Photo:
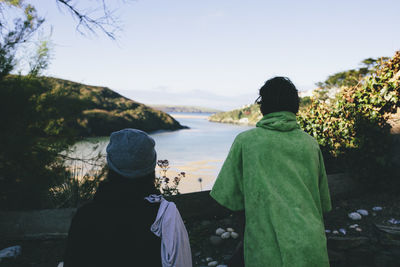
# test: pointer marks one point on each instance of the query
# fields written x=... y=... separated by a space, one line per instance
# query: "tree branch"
x=106 y=23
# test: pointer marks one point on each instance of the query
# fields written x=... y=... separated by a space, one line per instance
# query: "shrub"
x=354 y=129
x=167 y=186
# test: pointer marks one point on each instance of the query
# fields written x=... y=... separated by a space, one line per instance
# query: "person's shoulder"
x=309 y=138
x=246 y=135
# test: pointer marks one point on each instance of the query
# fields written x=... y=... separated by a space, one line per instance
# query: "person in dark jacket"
x=114 y=228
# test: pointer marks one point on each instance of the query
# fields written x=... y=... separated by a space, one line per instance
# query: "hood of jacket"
x=282 y=121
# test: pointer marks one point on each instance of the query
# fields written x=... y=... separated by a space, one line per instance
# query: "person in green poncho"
x=275 y=173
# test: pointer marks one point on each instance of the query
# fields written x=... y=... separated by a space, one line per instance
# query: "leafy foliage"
x=78 y=187
x=348 y=78
x=13 y=36
x=354 y=128
x=41 y=117
x=36 y=124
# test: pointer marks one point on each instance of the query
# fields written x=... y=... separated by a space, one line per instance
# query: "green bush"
x=353 y=131
x=37 y=123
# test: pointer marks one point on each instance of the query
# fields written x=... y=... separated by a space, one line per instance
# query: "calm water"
x=198 y=151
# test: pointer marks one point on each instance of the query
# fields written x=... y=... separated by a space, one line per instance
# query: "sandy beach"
x=206 y=170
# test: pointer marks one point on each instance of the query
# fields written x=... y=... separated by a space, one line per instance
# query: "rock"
x=215 y=240
x=393 y=230
x=355 y=216
x=377 y=208
x=209 y=259
x=394 y=221
x=389 y=235
x=226 y=235
x=353 y=226
x=343 y=231
x=328 y=231
x=230 y=229
x=358 y=229
x=61 y=264
x=363 y=212
x=10 y=252
x=222 y=265
x=213 y=263
x=219 y=231
x=335 y=232
x=234 y=235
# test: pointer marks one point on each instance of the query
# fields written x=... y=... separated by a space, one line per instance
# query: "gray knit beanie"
x=131 y=153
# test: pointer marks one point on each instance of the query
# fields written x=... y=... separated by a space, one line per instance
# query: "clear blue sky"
x=218 y=53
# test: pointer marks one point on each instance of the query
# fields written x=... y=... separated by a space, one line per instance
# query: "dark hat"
x=131 y=153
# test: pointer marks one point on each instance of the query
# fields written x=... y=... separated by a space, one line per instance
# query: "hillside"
x=106 y=111
x=248 y=114
x=187 y=109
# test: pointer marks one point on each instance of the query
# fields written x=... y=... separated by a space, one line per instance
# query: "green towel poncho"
x=276 y=173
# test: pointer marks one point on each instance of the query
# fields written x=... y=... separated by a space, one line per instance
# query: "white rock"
x=234 y=235
x=394 y=221
x=226 y=235
x=230 y=229
x=10 y=252
x=353 y=226
x=363 y=212
x=222 y=265
x=377 y=208
x=328 y=231
x=213 y=263
x=355 y=216
x=61 y=264
x=335 y=232
x=358 y=229
x=219 y=231
x=343 y=231
x=209 y=259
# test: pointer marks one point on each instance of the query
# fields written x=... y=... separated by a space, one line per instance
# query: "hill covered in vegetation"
x=41 y=117
x=105 y=111
x=249 y=114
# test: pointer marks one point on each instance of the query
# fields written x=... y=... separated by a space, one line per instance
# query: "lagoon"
x=199 y=151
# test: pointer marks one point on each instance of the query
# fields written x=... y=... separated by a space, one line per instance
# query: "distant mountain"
x=106 y=111
x=187 y=109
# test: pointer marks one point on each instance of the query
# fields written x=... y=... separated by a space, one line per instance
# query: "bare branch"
x=107 y=23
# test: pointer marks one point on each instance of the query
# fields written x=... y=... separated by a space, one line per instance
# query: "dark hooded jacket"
x=114 y=228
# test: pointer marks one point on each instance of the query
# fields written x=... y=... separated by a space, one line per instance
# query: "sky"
x=218 y=53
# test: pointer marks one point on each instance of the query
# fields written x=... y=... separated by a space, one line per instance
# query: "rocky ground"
x=366 y=246
x=343 y=234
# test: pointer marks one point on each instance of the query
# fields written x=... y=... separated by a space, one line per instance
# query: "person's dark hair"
x=145 y=183
x=278 y=94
